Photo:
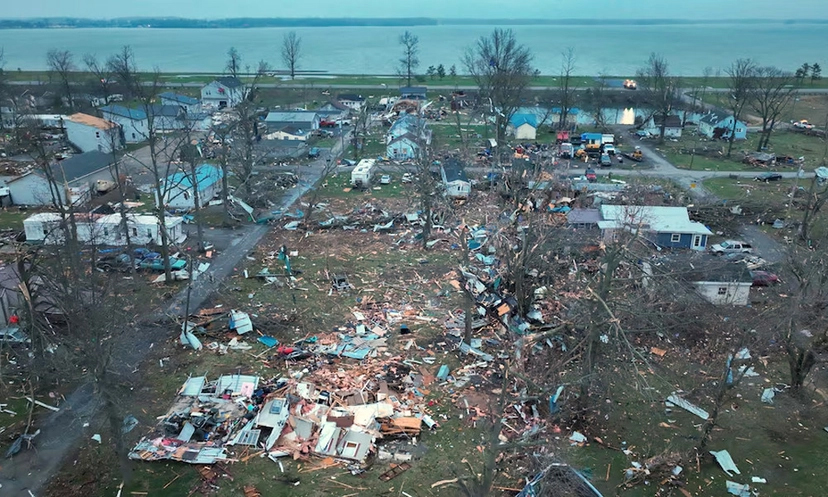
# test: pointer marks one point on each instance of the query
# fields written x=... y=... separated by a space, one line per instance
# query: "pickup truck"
x=325 y=123
x=731 y=247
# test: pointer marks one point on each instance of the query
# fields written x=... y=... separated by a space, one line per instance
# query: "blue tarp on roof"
x=206 y=176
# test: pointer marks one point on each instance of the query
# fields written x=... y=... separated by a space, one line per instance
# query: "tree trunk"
x=800 y=362
x=732 y=137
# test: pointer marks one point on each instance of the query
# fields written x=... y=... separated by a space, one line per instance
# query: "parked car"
x=324 y=123
x=803 y=124
x=641 y=134
x=407 y=178
x=730 y=247
x=385 y=179
x=606 y=160
x=768 y=177
x=13 y=336
x=158 y=264
x=142 y=253
x=590 y=175
x=314 y=152
x=609 y=148
x=346 y=162
x=764 y=278
x=119 y=262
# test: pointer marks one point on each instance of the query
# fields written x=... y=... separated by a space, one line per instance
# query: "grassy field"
x=378 y=80
x=711 y=155
x=813 y=108
x=12 y=218
x=774 y=192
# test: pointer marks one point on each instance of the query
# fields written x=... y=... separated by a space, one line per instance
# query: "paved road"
x=61 y=432
x=322 y=84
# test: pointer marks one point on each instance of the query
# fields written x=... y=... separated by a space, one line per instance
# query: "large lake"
x=616 y=50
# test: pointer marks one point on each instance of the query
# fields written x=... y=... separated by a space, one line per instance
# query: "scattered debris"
x=767 y=395
x=395 y=471
x=726 y=462
x=687 y=406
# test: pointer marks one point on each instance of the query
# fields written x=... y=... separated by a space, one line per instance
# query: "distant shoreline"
x=308 y=22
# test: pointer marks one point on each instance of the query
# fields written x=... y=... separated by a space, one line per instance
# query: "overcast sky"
x=604 y=9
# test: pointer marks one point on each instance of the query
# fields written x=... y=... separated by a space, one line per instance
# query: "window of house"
x=697 y=241
x=97 y=134
x=106 y=231
x=186 y=195
x=675 y=237
x=722 y=290
x=134 y=231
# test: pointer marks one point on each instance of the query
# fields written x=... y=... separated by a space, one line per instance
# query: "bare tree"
x=772 y=93
x=102 y=74
x=660 y=87
x=502 y=69
x=741 y=83
x=163 y=150
x=234 y=62
x=410 y=59
x=191 y=157
x=62 y=63
x=599 y=102
x=360 y=130
x=567 y=90
x=698 y=92
x=4 y=90
x=291 y=52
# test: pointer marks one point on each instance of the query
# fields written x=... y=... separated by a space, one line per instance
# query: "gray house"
x=74 y=179
x=455 y=181
x=307 y=120
x=190 y=104
x=413 y=92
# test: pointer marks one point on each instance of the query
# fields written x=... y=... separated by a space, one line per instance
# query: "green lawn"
x=785 y=143
x=335 y=187
x=12 y=218
x=775 y=192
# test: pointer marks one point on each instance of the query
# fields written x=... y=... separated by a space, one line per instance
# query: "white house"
x=179 y=192
x=90 y=133
x=412 y=124
x=403 y=147
x=288 y=133
x=105 y=230
x=456 y=183
x=189 y=104
x=223 y=92
x=351 y=101
x=719 y=124
x=672 y=126
x=523 y=126
x=133 y=122
x=73 y=181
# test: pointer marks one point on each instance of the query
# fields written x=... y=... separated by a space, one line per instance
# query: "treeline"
x=271 y=22
x=181 y=23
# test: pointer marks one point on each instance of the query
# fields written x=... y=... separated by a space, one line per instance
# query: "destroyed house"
x=715 y=279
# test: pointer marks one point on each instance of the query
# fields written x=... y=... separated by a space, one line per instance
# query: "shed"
x=523 y=126
x=301 y=119
x=351 y=100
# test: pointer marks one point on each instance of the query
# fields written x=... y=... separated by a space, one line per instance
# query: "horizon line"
x=426 y=18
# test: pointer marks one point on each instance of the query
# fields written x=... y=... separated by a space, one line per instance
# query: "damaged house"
x=668 y=227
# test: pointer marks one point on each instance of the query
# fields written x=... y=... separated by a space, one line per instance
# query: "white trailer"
x=363 y=172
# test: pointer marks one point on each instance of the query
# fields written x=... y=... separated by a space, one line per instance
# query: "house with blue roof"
x=133 y=122
x=523 y=126
x=179 y=192
x=189 y=104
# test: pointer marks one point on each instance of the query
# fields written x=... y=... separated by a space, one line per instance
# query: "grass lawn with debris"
x=710 y=154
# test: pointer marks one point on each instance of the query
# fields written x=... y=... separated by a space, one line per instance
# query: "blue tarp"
x=268 y=341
